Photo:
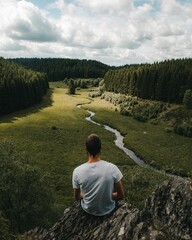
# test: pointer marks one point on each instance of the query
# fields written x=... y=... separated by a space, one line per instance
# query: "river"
x=120 y=144
x=118 y=140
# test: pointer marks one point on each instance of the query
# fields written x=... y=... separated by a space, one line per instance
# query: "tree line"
x=74 y=84
x=19 y=88
x=58 y=69
x=164 y=81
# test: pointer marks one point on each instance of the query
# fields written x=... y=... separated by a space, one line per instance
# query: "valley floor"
x=53 y=135
x=161 y=149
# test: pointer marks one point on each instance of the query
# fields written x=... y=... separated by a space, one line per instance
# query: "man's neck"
x=92 y=159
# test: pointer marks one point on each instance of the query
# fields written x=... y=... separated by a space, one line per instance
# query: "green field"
x=165 y=151
x=53 y=135
x=58 y=151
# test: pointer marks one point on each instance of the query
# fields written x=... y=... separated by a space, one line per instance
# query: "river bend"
x=118 y=140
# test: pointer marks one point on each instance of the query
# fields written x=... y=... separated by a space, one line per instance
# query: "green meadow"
x=52 y=136
x=163 y=150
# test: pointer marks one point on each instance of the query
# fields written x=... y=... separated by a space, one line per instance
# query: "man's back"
x=96 y=182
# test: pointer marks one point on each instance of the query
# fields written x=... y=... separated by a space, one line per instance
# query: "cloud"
x=173 y=7
x=10 y=45
x=107 y=7
x=27 y=22
x=116 y=32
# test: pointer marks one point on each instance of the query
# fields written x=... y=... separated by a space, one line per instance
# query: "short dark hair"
x=93 y=144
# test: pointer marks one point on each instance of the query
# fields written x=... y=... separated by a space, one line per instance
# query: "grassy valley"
x=158 y=147
x=53 y=135
x=47 y=141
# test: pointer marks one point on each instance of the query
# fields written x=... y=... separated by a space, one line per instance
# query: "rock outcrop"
x=167 y=214
x=171 y=207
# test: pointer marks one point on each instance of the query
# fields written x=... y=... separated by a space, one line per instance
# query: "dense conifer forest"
x=59 y=68
x=19 y=88
x=165 y=81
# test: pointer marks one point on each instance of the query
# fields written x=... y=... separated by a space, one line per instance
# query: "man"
x=97 y=183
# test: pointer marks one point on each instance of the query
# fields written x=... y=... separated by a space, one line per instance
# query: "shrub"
x=154 y=121
x=54 y=128
x=169 y=129
x=4 y=229
x=94 y=94
x=187 y=99
x=130 y=106
x=139 y=113
x=184 y=129
x=25 y=197
x=125 y=112
x=71 y=86
x=140 y=117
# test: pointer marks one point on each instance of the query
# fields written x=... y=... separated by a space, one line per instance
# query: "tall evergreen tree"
x=71 y=87
x=166 y=81
x=187 y=100
x=19 y=88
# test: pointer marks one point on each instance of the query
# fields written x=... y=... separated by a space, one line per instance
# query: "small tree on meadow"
x=187 y=99
x=83 y=84
x=71 y=87
x=102 y=86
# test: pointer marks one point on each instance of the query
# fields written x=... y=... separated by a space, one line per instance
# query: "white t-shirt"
x=96 y=182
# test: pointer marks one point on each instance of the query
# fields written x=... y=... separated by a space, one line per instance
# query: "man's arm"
x=77 y=194
x=119 y=194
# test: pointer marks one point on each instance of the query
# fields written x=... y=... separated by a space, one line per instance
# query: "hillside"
x=164 y=81
x=60 y=68
x=19 y=88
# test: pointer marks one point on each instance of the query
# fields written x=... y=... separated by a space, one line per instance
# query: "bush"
x=184 y=129
x=147 y=111
x=140 y=117
x=130 y=106
x=139 y=113
x=169 y=129
x=25 y=196
x=71 y=86
x=125 y=112
x=54 y=128
x=154 y=121
x=94 y=94
x=187 y=99
x=4 y=229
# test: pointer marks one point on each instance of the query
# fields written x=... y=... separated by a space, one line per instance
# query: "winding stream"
x=120 y=144
x=118 y=141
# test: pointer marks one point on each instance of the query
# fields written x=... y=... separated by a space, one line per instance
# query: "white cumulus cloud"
x=116 y=32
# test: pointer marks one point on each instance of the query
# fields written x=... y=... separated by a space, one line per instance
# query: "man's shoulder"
x=104 y=163
x=109 y=164
x=80 y=167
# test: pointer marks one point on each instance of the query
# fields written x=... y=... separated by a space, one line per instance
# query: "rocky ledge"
x=167 y=214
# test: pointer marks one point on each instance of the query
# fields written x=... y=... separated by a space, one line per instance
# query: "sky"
x=115 y=32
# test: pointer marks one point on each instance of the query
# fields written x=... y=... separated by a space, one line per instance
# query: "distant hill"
x=19 y=88
x=165 y=81
x=58 y=69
